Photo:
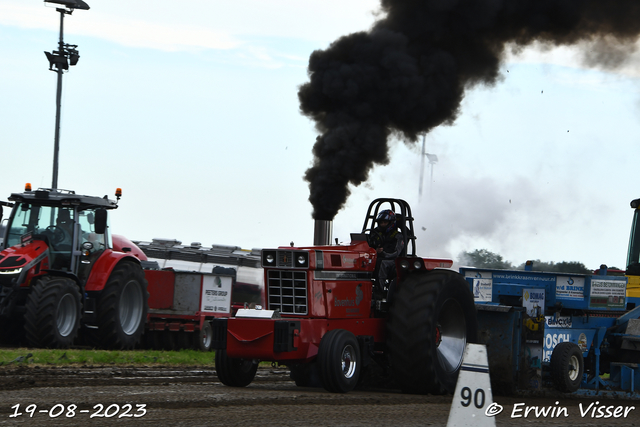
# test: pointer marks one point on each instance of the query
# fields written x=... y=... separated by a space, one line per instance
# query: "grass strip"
x=28 y=356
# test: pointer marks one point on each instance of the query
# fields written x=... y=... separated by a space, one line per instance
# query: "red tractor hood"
x=20 y=256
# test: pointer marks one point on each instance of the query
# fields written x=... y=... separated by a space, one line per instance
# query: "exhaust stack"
x=322 y=232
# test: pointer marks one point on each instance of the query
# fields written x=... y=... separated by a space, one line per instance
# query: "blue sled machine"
x=573 y=332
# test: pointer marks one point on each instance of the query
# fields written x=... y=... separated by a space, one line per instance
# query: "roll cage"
x=404 y=220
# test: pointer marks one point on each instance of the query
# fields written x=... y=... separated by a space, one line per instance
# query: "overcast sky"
x=192 y=110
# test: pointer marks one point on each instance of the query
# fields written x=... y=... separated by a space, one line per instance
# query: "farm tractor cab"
x=59 y=270
x=633 y=258
x=327 y=319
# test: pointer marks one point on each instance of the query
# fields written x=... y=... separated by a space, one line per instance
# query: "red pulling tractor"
x=327 y=318
x=60 y=267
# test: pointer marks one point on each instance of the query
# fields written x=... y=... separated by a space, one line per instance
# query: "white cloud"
x=127 y=32
x=202 y=24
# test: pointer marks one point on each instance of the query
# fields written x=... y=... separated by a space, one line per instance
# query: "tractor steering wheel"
x=57 y=234
x=374 y=239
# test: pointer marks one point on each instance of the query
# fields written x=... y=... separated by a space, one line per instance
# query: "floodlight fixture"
x=57 y=60
x=71 y=4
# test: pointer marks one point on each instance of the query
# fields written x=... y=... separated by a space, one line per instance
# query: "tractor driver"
x=389 y=245
x=65 y=224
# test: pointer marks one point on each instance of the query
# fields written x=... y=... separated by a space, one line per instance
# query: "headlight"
x=268 y=258
x=14 y=271
x=417 y=265
x=302 y=259
x=404 y=264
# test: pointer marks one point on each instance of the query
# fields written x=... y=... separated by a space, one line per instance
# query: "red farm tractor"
x=59 y=270
x=327 y=319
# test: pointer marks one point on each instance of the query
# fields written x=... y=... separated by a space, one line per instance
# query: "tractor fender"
x=104 y=266
x=122 y=244
x=406 y=266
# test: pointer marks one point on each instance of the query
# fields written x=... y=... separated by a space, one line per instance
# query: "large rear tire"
x=234 y=372
x=52 y=316
x=339 y=361
x=122 y=308
x=12 y=331
x=431 y=320
x=567 y=367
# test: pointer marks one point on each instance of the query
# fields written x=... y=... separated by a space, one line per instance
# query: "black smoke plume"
x=408 y=74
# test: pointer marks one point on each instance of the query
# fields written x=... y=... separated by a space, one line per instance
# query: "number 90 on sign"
x=477 y=397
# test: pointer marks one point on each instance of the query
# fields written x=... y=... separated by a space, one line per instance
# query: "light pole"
x=67 y=54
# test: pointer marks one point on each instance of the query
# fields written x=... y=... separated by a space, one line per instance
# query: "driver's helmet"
x=387 y=215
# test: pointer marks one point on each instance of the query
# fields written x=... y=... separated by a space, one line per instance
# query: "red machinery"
x=189 y=285
x=327 y=317
x=58 y=266
x=64 y=275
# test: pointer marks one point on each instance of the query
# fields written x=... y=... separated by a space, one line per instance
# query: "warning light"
x=118 y=192
x=27 y=187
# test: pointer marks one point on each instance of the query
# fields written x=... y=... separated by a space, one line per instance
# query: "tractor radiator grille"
x=287 y=291
x=285 y=258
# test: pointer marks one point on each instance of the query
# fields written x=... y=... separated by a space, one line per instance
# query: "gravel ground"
x=100 y=396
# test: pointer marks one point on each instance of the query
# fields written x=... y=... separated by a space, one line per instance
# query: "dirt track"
x=194 y=397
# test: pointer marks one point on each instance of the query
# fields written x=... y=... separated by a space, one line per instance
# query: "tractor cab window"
x=87 y=232
x=53 y=222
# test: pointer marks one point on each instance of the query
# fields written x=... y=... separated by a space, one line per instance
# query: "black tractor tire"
x=339 y=361
x=203 y=339
x=431 y=320
x=305 y=375
x=235 y=372
x=52 y=312
x=122 y=308
x=12 y=331
x=567 y=367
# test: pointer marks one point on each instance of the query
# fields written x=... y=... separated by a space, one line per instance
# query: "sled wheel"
x=204 y=337
x=52 y=316
x=431 y=320
x=339 y=361
x=567 y=366
x=234 y=372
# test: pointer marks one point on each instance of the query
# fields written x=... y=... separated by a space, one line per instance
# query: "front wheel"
x=431 y=320
x=122 y=307
x=52 y=316
x=567 y=366
x=339 y=361
x=305 y=375
x=234 y=372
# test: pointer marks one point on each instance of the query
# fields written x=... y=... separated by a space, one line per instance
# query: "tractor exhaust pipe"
x=322 y=232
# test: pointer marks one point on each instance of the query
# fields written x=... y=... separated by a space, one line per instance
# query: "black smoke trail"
x=409 y=73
